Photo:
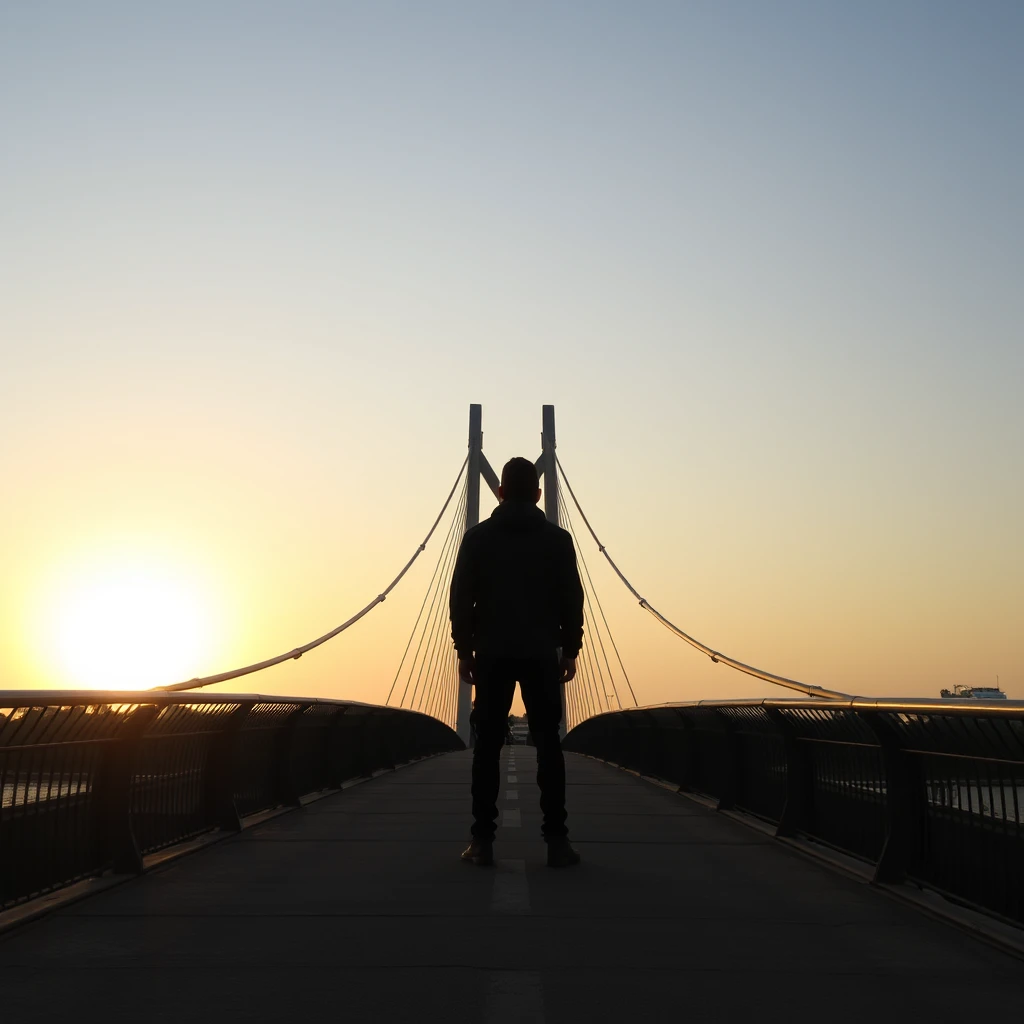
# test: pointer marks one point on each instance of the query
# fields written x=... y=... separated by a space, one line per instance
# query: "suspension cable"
x=578 y=686
x=222 y=677
x=600 y=608
x=451 y=698
x=437 y=707
x=435 y=581
x=590 y=663
x=430 y=587
x=571 y=714
x=715 y=656
x=433 y=631
x=590 y=682
x=590 y=659
x=441 y=645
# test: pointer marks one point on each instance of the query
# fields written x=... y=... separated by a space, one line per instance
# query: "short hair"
x=519 y=480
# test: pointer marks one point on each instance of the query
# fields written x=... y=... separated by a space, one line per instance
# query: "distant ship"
x=974 y=692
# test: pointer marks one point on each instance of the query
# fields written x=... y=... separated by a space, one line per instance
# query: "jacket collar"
x=517 y=509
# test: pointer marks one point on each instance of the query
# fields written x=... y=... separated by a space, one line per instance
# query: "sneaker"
x=561 y=854
x=479 y=852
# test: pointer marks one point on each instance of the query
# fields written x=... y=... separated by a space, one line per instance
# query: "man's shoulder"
x=474 y=532
x=477 y=535
x=556 y=540
x=558 y=533
x=488 y=528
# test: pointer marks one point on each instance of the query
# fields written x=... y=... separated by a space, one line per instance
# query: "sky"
x=765 y=260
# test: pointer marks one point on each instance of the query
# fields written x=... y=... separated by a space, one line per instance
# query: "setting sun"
x=129 y=627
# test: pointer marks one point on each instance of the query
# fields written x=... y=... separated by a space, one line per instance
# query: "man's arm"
x=461 y=601
x=571 y=612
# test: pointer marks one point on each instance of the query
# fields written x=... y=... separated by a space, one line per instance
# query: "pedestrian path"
x=358 y=908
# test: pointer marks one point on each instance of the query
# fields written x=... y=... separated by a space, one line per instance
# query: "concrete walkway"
x=358 y=909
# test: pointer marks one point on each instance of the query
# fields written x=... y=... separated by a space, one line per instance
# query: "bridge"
x=177 y=853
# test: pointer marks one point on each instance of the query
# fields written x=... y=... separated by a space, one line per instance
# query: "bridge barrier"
x=930 y=792
x=93 y=782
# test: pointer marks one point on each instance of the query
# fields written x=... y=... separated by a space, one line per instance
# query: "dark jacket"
x=516 y=591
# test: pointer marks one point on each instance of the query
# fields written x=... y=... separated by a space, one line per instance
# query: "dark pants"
x=495 y=686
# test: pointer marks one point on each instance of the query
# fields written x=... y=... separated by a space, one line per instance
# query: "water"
x=37 y=789
x=1003 y=802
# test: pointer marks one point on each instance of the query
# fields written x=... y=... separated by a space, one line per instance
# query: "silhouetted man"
x=517 y=614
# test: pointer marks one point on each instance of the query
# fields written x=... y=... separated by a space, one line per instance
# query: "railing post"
x=687 y=767
x=285 y=783
x=731 y=783
x=797 y=808
x=903 y=808
x=646 y=736
x=385 y=739
x=114 y=795
x=367 y=741
x=333 y=770
x=220 y=772
x=409 y=743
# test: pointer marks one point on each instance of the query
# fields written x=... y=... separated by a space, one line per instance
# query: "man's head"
x=519 y=481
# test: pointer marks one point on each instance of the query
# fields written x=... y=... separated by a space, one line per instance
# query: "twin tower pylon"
x=480 y=469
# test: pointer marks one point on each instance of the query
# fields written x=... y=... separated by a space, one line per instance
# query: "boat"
x=963 y=692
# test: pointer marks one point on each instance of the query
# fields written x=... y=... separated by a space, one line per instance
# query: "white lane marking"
x=512 y=778
x=512 y=819
x=514 y=997
x=511 y=894
x=511 y=794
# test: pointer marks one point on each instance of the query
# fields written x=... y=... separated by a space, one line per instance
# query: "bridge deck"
x=358 y=907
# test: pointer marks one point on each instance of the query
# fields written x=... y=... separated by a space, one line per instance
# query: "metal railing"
x=92 y=782
x=930 y=792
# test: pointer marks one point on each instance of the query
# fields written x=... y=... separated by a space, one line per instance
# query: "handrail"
x=160 y=697
x=897 y=705
x=136 y=771
x=931 y=791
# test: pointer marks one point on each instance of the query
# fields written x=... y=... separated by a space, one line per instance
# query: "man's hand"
x=467 y=669
x=567 y=668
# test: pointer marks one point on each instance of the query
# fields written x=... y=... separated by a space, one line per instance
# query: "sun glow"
x=130 y=626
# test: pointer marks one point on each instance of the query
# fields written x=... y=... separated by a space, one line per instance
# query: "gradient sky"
x=257 y=259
